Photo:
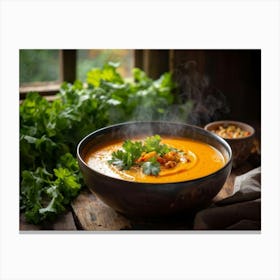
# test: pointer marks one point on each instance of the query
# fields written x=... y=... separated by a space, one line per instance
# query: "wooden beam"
x=153 y=62
x=138 y=58
x=68 y=63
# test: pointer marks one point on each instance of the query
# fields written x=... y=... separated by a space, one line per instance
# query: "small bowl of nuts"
x=240 y=136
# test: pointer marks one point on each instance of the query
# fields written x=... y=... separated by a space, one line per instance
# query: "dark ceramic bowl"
x=135 y=199
x=241 y=147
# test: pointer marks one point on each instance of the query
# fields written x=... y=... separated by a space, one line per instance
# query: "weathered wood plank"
x=65 y=222
x=92 y=214
x=24 y=225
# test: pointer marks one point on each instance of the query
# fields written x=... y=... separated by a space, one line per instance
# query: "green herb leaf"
x=50 y=132
x=153 y=144
x=151 y=168
x=126 y=157
x=45 y=194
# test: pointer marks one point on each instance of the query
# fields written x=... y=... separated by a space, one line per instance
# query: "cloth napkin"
x=240 y=211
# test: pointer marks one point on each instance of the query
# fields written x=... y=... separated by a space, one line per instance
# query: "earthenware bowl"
x=241 y=147
x=135 y=199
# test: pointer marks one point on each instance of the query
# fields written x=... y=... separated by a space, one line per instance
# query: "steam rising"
x=209 y=103
x=143 y=128
x=196 y=103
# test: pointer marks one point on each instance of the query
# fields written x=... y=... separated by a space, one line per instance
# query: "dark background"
x=236 y=74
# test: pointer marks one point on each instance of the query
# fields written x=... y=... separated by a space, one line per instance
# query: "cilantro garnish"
x=151 y=167
x=125 y=158
x=153 y=144
x=144 y=155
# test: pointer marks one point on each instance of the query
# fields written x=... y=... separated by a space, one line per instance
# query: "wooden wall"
x=235 y=73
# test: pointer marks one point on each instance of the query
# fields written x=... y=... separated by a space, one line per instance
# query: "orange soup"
x=197 y=159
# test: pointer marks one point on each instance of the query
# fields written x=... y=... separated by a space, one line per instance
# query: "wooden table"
x=87 y=212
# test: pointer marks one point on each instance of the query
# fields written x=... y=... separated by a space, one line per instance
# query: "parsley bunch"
x=50 y=131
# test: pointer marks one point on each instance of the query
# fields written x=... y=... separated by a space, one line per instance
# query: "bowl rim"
x=238 y=123
x=100 y=130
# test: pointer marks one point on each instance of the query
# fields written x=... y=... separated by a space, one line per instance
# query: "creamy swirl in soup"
x=156 y=160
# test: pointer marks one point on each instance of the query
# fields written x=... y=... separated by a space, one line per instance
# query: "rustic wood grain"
x=92 y=214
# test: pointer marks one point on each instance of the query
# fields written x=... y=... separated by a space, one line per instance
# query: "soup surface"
x=198 y=159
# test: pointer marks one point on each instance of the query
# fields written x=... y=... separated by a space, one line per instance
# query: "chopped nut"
x=172 y=156
x=231 y=131
x=170 y=164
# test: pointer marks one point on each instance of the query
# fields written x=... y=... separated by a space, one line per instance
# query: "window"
x=44 y=70
x=39 y=66
x=88 y=59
